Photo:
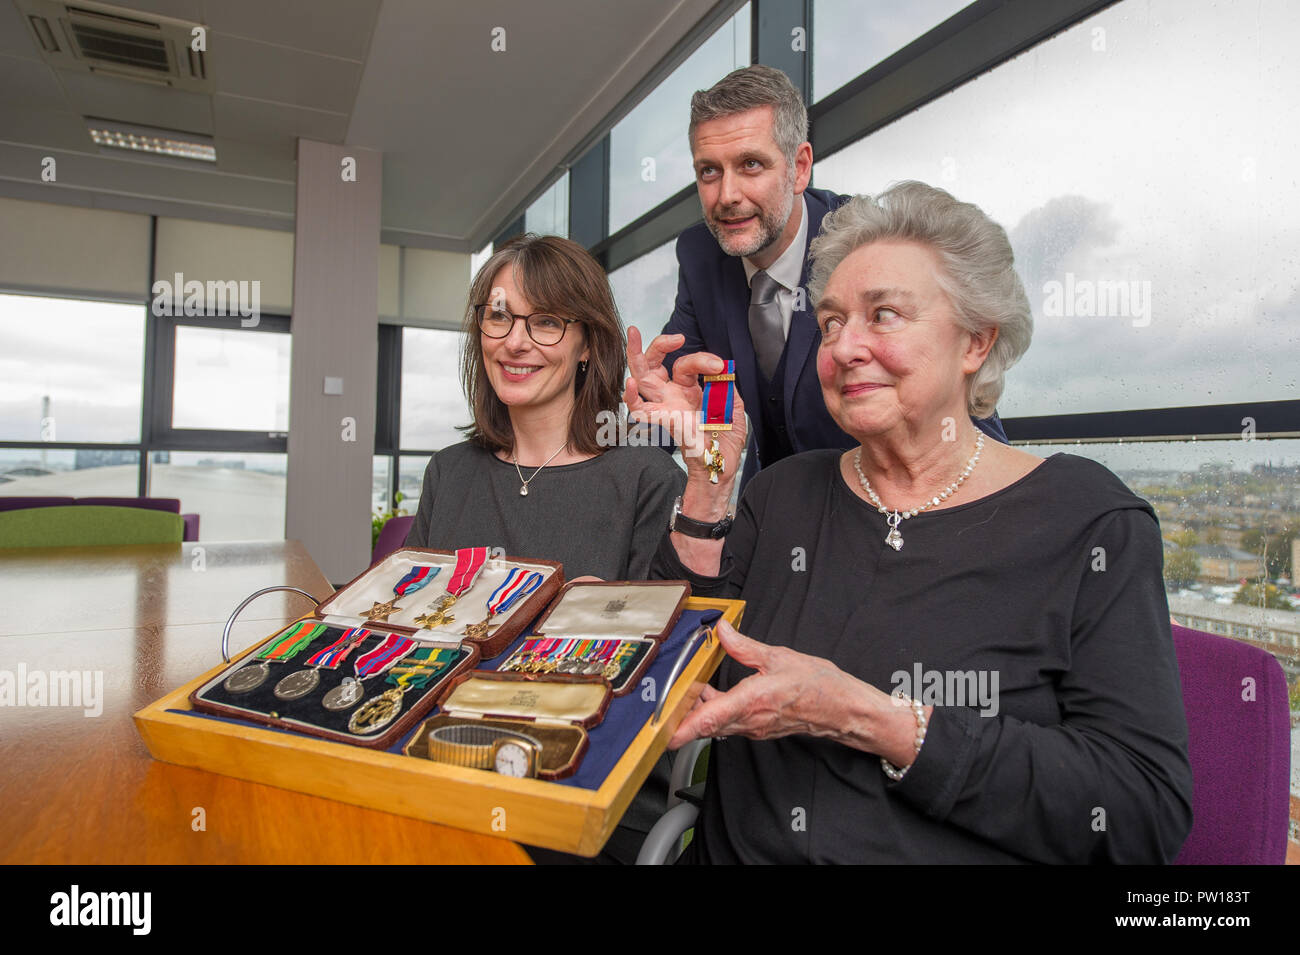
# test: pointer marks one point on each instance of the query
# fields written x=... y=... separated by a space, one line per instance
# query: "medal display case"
x=548 y=758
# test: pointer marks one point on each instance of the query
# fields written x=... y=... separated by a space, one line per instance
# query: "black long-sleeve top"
x=1051 y=585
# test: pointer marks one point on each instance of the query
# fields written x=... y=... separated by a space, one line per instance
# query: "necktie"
x=765 y=326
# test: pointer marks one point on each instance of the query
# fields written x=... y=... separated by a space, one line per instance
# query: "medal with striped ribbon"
x=716 y=409
x=301 y=682
x=413 y=673
x=469 y=561
x=372 y=663
x=519 y=583
x=417 y=577
x=285 y=648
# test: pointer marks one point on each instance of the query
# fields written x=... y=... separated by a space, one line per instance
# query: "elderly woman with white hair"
x=956 y=651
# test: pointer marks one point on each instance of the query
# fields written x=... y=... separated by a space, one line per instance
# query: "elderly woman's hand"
x=794 y=693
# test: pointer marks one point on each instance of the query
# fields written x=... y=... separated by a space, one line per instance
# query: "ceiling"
x=468 y=134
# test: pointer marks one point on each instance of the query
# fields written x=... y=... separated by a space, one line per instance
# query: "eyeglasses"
x=542 y=328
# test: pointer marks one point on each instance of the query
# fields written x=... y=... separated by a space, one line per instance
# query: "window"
x=1160 y=271
x=549 y=215
x=230 y=380
x=645 y=290
x=649 y=154
x=81 y=472
x=238 y=496
x=70 y=371
x=432 y=401
x=852 y=36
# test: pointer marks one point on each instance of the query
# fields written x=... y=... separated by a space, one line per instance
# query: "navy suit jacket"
x=712 y=311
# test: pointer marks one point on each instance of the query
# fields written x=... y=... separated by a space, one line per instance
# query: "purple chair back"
x=22 y=503
x=170 y=504
x=1240 y=749
x=391 y=537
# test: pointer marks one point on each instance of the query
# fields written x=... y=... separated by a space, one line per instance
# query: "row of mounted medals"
x=409 y=664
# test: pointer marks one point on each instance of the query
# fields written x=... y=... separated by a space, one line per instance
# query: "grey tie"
x=765 y=326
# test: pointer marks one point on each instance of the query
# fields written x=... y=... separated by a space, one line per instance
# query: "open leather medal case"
x=530 y=716
x=372 y=659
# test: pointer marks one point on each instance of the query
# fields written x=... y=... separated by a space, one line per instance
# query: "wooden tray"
x=531 y=811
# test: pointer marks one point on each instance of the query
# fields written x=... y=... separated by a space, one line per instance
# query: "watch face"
x=513 y=759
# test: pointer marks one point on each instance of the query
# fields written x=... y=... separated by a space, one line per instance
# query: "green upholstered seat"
x=88 y=526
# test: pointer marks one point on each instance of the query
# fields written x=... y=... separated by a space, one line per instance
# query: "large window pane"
x=1143 y=167
x=852 y=36
x=70 y=370
x=433 y=404
x=410 y=480
x=645 y=289
x=549 y=215
x=237 y=496
x=649 y=155
x=46 y=472
x=231 y=380
x=1229 y=512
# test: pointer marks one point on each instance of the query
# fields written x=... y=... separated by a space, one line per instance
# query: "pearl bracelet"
x=892 y=771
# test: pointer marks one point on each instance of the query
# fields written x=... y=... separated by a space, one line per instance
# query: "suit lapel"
x=803 y=326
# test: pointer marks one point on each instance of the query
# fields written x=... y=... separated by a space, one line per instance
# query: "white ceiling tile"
x=127 y=101
x=263 y=71
x=336 y=27
x=274 y=123
x=31 y=83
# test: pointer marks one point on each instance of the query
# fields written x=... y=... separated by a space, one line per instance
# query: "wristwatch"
x=682 y=524
x=476 y=747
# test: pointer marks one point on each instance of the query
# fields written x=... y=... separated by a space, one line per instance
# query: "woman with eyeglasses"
x=542 y=369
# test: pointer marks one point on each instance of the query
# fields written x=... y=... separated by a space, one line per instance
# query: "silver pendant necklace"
x=523 y=490
x=894 y=539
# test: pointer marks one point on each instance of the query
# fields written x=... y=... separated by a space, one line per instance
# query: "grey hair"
x=749 y=88
x=977 y=274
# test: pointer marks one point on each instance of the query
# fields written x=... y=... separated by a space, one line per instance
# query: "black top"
x=1051 y=586
x=603 y=516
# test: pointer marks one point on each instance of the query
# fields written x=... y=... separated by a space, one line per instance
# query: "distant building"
x=1219 y=562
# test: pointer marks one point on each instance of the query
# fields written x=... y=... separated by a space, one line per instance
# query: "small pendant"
x=523 y=491
x=894 y=539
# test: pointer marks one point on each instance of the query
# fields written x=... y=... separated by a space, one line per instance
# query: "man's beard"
x=770 y=227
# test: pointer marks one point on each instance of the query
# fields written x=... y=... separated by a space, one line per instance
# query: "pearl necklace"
x=523 y=490
x=893 y=538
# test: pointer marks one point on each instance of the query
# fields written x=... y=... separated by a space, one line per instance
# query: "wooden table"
x=82 y=789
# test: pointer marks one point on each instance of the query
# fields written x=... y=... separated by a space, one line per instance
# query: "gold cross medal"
x=717 y=407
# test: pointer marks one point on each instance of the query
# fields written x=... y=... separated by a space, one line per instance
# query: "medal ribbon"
x=719 y=400
x=417 y=577
x=338 y=651
x=517 y=585
x=469 y=561
x=293 y=640
x=384 y=656
x=420 y=670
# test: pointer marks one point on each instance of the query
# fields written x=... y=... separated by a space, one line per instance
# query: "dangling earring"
x=582 y=367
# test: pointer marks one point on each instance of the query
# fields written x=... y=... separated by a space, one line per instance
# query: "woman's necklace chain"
x=894 y=539
x=523 y=490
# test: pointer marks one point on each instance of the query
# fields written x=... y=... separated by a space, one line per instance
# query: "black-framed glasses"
x=542 y=328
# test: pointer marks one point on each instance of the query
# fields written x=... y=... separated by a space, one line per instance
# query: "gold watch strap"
x=468 y=745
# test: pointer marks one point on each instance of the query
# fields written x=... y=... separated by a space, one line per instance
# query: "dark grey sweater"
x=602 y=517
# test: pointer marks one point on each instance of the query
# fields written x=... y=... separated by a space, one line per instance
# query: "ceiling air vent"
x=127 y=44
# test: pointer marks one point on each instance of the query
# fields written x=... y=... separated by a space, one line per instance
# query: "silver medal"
x=297 y=684
x=247 y=678
x=344 y=695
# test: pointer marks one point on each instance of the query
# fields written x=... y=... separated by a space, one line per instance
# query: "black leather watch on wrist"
x=682 y=524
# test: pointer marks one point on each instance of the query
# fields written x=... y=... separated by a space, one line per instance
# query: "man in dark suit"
x=742 y=273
